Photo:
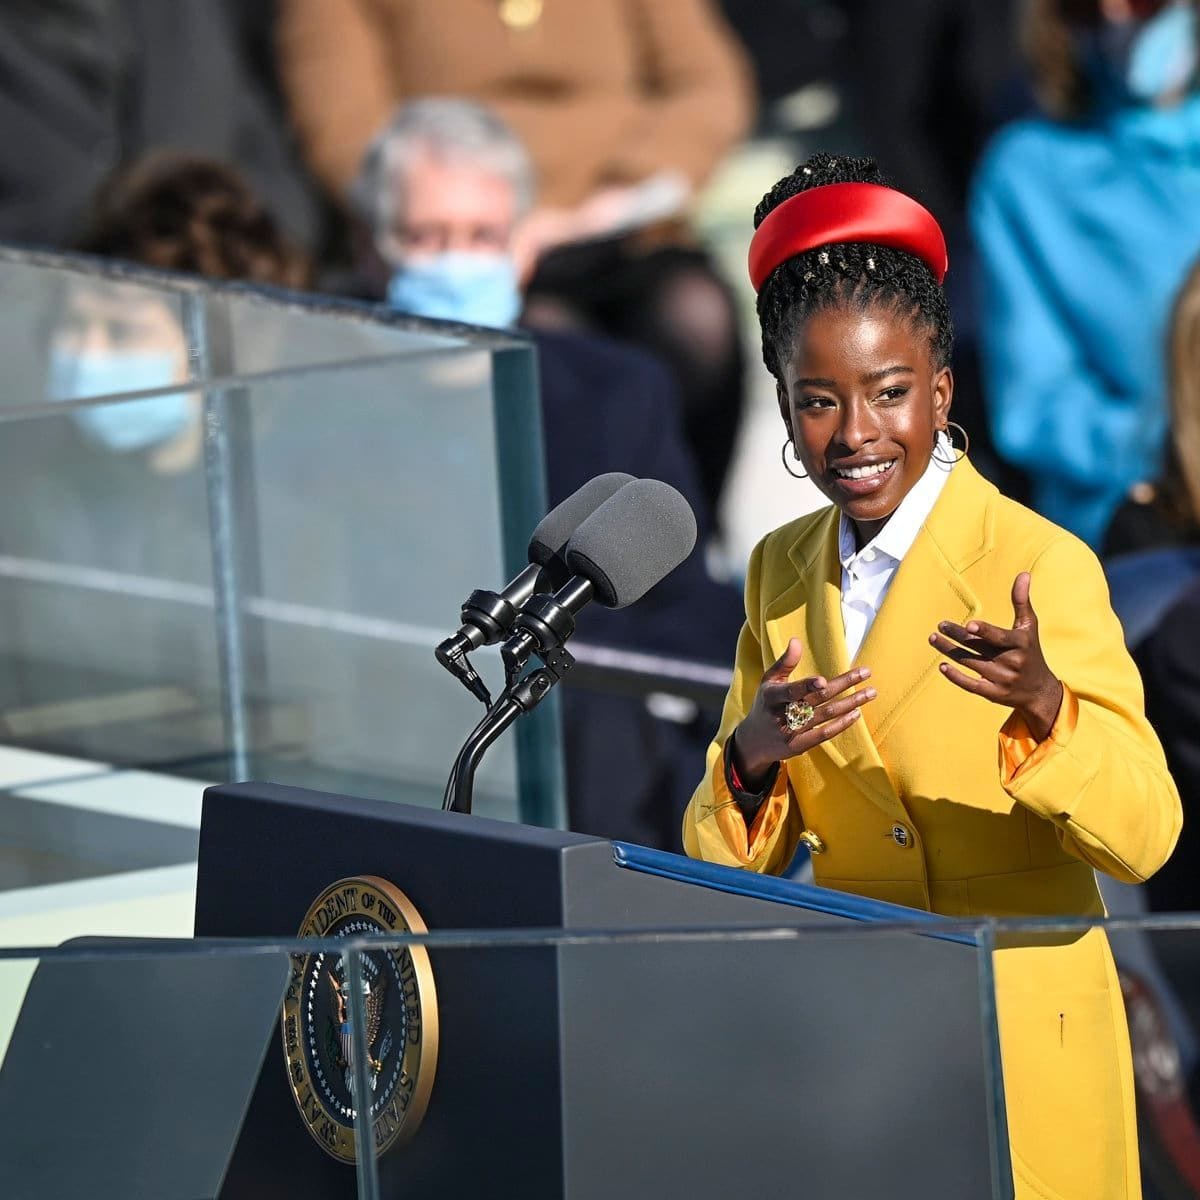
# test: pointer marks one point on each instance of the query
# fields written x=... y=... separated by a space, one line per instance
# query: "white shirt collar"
x=895 y=539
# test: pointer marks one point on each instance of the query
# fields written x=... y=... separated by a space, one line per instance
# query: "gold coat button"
x=812 y=842
x=901 y=836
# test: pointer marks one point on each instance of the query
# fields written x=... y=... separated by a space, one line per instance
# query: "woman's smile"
x=860 y=479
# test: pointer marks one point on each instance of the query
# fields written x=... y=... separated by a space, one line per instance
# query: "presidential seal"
x=401 y=1020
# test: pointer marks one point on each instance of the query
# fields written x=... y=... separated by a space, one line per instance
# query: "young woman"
x=931 y=692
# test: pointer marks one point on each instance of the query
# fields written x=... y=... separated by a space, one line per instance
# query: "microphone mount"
x=452 y=654
x=487 y=617
x=542 y=627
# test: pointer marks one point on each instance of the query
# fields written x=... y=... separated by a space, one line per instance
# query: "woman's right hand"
x=763 y=737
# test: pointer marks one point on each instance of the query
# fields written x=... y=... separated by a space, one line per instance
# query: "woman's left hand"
x=1009 y=663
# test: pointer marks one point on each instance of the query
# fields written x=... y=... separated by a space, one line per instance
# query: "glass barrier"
x=498 y=1062
x=548 y=1063
x=233 y=526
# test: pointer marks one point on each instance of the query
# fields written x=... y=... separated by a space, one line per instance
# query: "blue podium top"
x=781 y=891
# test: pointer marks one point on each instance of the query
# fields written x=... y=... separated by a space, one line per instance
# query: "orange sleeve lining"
x=1020 y=751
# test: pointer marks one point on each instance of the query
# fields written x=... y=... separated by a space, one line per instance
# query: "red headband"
x=847 y=212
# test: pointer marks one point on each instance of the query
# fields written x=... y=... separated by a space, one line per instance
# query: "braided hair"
x=855 y=275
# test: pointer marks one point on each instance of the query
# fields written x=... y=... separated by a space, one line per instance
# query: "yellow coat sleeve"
x=1101 y=777
x=713 y=826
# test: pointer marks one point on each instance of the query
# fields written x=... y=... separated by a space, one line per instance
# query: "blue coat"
x=1084 y=234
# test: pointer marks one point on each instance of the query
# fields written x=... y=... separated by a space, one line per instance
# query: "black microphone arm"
x=542 y=627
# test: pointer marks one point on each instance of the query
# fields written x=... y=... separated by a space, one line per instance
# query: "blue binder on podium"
x=781 y=1040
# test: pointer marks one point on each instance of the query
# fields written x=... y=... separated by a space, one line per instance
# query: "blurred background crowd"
x=586 y=172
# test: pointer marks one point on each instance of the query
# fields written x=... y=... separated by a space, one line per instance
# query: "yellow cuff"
x=745 y=843
x=1020 y=751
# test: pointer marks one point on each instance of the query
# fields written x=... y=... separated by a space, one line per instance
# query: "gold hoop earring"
x=793 y=474
x=958 y=455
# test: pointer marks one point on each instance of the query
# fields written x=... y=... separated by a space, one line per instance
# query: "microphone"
x=487 y=617
x=636 y=538
x=555 y=530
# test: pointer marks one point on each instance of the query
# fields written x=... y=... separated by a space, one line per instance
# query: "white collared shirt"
x=868 y=573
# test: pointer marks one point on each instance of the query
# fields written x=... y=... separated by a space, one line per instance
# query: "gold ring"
x=797 y=716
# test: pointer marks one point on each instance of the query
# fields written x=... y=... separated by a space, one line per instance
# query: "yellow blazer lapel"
x=814 y=604
x=929 y=587
x=817 y=597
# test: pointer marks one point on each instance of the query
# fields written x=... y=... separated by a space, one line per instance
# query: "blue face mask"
x=476 y=289
x=1163 y=57
x=134 y=424
x=1141 y=61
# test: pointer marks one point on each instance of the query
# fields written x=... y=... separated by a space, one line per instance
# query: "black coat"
x=607 y=407
x=1170 y=664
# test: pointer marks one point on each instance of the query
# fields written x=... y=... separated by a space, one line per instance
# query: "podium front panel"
x=606 y=1027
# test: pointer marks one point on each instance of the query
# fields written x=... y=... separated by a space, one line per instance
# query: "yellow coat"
x=918 y=803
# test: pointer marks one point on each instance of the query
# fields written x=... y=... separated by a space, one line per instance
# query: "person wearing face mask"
x=114 y=339
x=77 y=372
x=440 y=194
x=626 y=108
x=445 y=186
x=120 y=489
x=1085 y=220
x=175 y=211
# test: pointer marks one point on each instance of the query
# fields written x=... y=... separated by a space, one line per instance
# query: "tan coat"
x=917 y=802
x=601 y=91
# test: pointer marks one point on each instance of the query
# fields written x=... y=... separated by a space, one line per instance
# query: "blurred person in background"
x=625 y=107
x=1165 y=511
x=180 y=213
x=1085 y=220
x=1152 y=546
x=442 y=189
x=1169 y=661
x=111 y=338
x=1170 y=664
x=115 y=489
x=120 y=487
x=88 y=87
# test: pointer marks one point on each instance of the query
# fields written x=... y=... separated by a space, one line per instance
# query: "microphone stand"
x=543 y=627
x=521 y=697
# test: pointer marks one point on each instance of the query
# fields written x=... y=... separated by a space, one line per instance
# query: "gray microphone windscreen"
x=554 y=530
x=634 y=539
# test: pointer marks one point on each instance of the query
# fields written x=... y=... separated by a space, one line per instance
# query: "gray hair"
x=449 y=129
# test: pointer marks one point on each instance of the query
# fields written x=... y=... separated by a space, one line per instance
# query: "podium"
x=771 y=1039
